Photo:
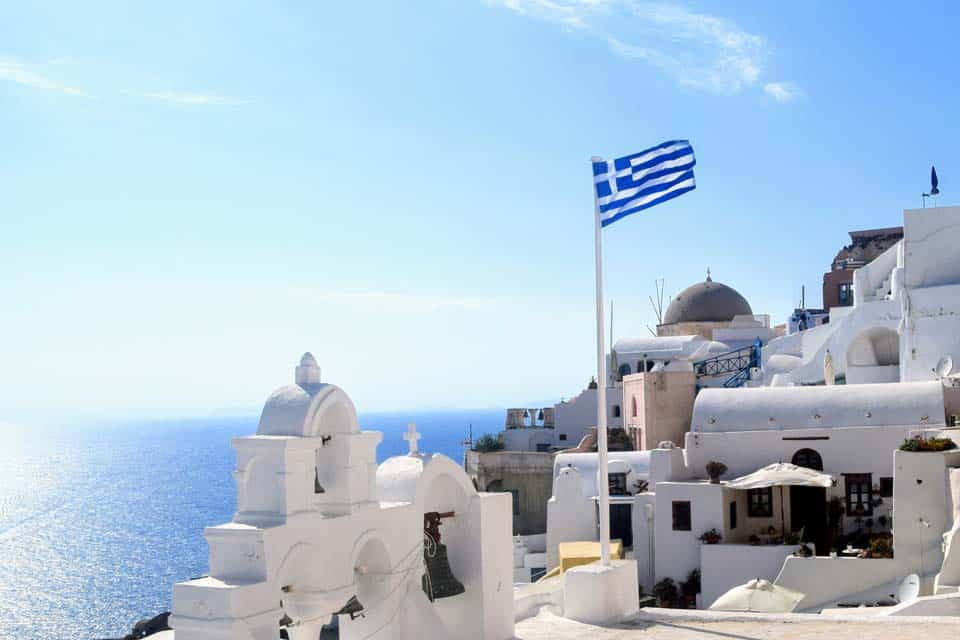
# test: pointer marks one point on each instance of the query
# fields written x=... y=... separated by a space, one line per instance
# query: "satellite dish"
x=944 y=367
x=909 y=588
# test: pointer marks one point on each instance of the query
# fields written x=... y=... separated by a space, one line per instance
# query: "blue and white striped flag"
x=639 y=181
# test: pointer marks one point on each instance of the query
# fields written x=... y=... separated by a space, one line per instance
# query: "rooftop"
x=707 y=301
x=692 y=625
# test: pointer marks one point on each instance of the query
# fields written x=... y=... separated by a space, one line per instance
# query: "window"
x=845 y=292
x=634 y=405
x=681 y=516
x=760 y=502
x=624 y=370
x=543 y=447
x=808 y=458
x=618 y=484
x=886 y=487
x=859 y=488
x=733 y=515
x=515 y=493
x=563 y=436
x=616 y=411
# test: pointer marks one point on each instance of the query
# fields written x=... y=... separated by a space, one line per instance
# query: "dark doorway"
x=808 y=511
x=621 y=524
x=808 y=505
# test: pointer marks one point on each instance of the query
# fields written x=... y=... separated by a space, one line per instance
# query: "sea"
x=97 y=522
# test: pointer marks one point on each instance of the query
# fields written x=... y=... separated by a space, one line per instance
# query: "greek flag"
x=639 y=181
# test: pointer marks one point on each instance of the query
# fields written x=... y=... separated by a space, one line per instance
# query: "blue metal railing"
x=737 y=362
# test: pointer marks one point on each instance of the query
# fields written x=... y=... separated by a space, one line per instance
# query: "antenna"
x=657 y=305
x=909 y=588
x=944 y=367
x=803 y=296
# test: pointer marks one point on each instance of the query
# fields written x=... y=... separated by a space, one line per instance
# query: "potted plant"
x=666 y=592
x=690 y=588
x=879 y=547
x=715 y=470
x=711 y=537
x=928 y=444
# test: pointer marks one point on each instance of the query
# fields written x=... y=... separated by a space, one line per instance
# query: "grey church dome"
x=707 y=301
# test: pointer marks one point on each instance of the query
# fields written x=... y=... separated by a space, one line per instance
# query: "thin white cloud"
x=192 y=99
x=26 y=75
x=697 y=50
x=782 y=91
x=383 y=301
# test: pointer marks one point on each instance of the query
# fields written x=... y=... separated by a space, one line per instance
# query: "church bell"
x=438 y=581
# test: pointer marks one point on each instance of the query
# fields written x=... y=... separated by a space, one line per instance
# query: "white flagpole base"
x=601 y=594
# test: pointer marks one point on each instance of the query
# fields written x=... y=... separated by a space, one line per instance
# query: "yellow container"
x=573 y=554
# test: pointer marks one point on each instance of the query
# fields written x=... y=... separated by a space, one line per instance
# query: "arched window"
x=633 y=409
x=616 y=411
x=808 y=458
x=624 y=369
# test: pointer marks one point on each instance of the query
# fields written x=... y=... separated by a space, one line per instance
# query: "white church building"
x=324 y=536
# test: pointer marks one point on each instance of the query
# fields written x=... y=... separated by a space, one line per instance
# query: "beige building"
x=659 y=406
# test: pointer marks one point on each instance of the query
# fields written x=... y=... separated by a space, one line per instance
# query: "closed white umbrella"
x=829 y=377
x=758 y=596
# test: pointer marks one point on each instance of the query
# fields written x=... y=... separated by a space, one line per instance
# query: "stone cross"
x=411 y=436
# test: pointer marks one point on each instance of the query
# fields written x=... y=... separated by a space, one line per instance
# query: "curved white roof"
x=301 y=410
x=586 y=465
x=668 y=347
x=405 y=478
x=397 y=478
x=817 y=407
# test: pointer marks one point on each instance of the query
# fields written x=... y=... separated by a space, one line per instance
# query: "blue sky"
x=194 y=195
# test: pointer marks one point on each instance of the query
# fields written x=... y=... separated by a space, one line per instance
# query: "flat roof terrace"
x=706 y=625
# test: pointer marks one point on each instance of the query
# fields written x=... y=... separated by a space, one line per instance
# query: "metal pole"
x=783 y=526
x=604 y=488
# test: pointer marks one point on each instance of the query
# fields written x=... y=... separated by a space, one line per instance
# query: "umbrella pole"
x=783 y=527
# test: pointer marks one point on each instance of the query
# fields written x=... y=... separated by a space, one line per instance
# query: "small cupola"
x=307 y=373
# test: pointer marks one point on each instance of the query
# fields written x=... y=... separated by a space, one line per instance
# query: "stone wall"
x=529 y=473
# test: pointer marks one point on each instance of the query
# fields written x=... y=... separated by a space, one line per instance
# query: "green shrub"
x=487 y=443
x=617 y=440
x=928 y=444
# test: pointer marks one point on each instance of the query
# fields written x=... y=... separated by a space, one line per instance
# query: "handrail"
x=737 y=362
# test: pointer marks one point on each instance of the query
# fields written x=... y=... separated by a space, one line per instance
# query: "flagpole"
x=604 y=488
